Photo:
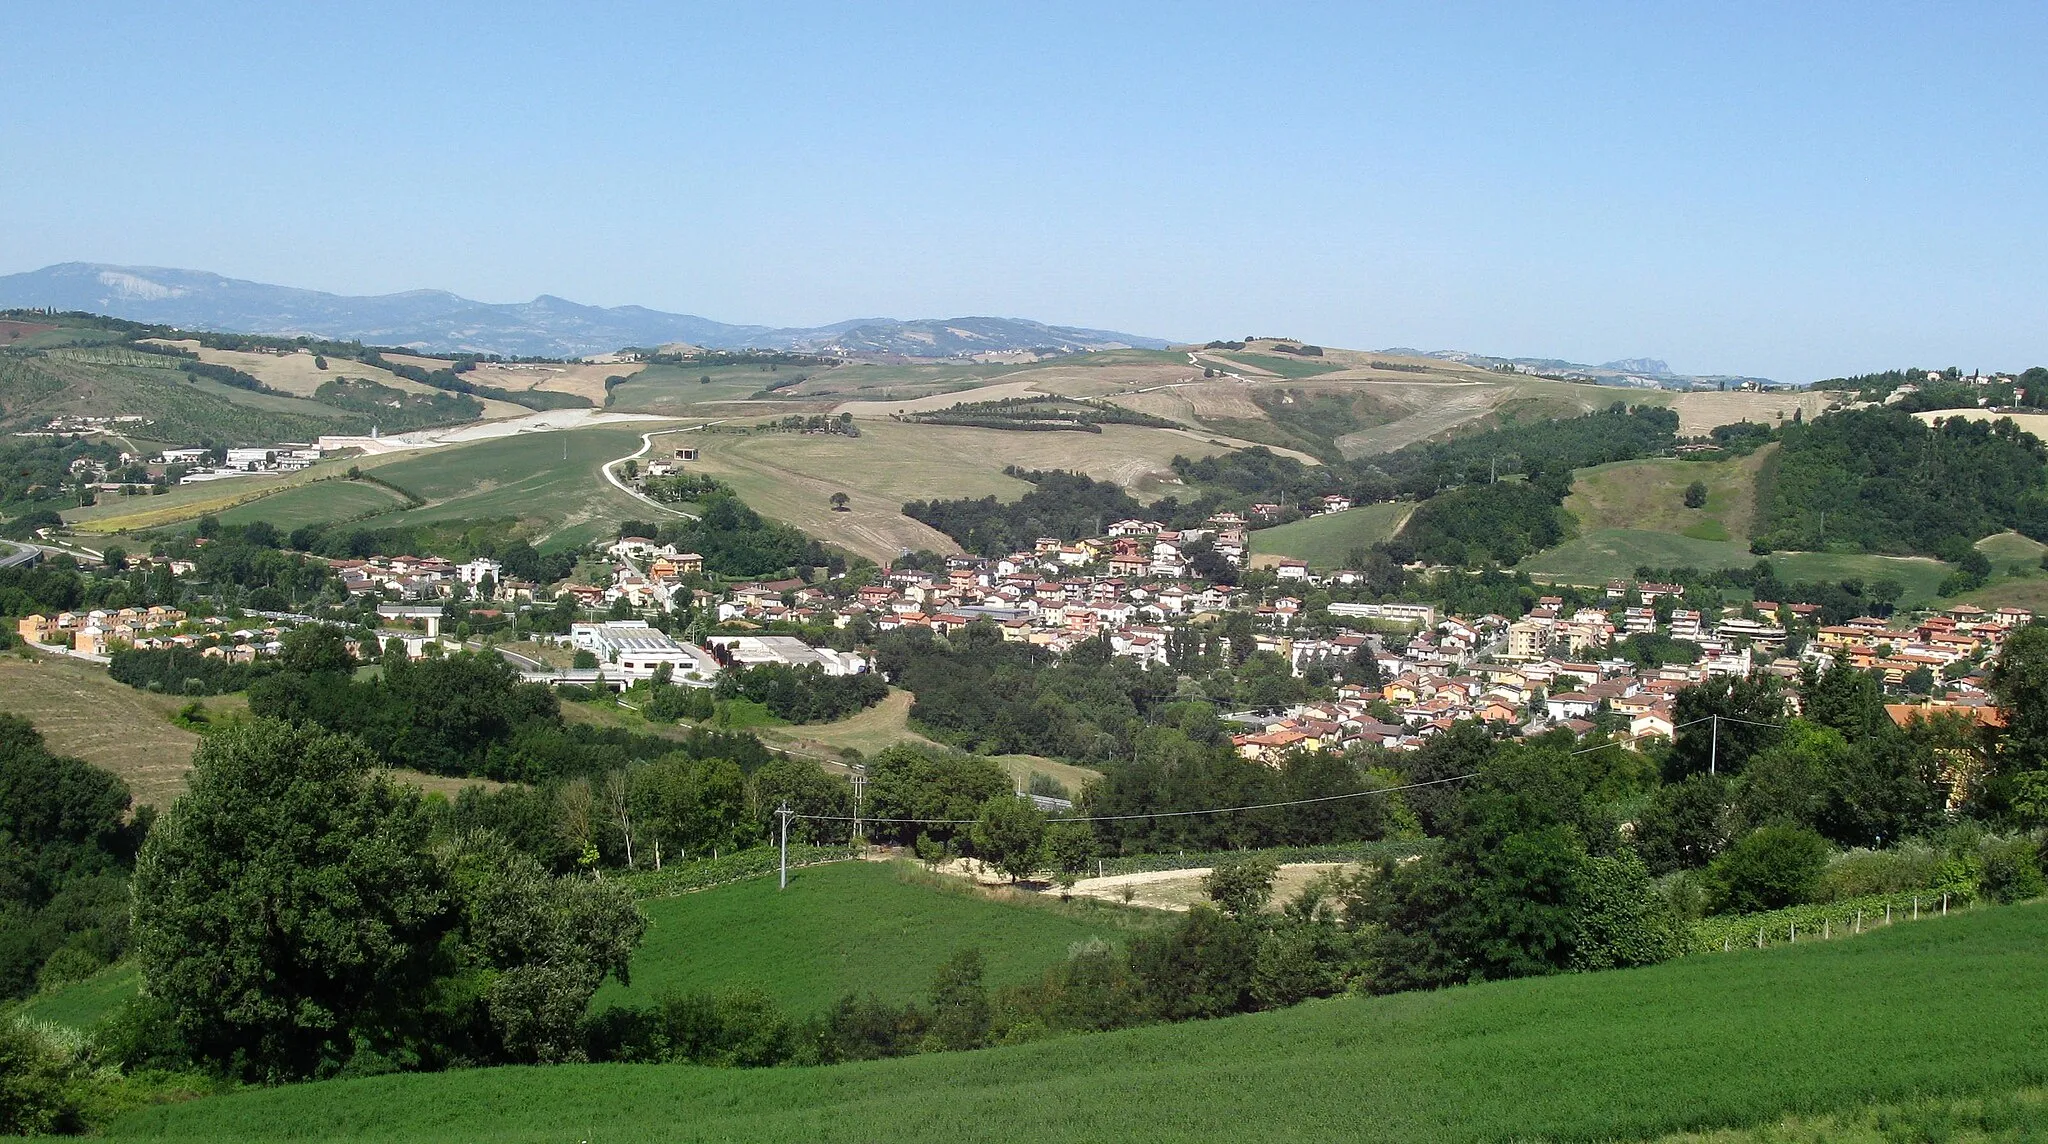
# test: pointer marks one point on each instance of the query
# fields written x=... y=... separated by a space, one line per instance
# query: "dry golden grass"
x=82 y=711
x=296 y=373
x=791 y=476
x=586 y=381
x=1700 y=412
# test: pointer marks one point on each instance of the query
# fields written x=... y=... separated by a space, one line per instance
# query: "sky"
x=1793 y=191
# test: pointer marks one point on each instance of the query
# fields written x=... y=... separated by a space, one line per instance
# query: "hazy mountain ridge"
x=547 y=326
x=1643 y=372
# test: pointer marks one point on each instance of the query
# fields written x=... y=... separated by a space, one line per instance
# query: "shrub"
x=2012 y=871
x=1768 y=869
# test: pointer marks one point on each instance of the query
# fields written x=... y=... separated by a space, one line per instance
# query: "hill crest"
x=548 y=326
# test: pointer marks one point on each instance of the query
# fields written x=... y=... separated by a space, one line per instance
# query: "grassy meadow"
x=315 y=503
x=1651 y=495
x=876 y=928
x=1326 y=541
x=791 y=476
x=548 y=480
x=1927 y=1016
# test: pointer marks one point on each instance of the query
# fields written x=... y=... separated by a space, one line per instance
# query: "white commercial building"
x=633 y=650
x=752 y=651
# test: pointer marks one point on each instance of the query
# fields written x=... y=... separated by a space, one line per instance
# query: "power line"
x=1154 y=814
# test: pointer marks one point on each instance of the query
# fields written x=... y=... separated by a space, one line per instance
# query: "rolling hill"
x=1915 y=1020
x=547 y=326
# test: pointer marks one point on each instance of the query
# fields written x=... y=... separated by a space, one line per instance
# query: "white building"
x=633 y=649
x=474 y=572
x=752 y=651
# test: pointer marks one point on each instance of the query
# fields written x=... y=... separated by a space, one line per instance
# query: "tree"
x=1009 y=834
x=286 y=910
x=1240 y=886
x=960 y=1008
x=1696 y=495
x=840 y=501
x=1068 y=848
x=2019 y=678
x=1768 y=869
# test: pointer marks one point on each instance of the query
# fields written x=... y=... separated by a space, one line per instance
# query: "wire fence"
x=1821 y=921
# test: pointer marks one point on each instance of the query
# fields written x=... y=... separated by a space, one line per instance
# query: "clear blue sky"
x=1793 y=190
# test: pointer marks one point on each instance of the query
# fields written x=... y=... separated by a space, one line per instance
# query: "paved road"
x=17 y=554
x=646 y=444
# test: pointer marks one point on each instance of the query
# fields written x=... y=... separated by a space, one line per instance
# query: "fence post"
x=1795 y=933
x=1916 y=907
x=1759 y=937
x=1725 y=943
x=1887 y=913
x=1944 y=905
x=1826 y=929
x=1859 y=921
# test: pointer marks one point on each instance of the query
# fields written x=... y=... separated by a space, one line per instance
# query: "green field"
x=547 y=480
x=1922 y=575
x=82 y=1004
x=1284 y=365
x=1926 y=1012
x=1603 y=554
x=1326 y=541
x=316 y=503
x=848 y=927
x=1650 y=495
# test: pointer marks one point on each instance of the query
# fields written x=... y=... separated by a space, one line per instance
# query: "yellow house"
x=35 y=629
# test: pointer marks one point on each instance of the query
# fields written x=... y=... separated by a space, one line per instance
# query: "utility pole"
x=860 y=788
x=1714 y=748
x=782 y=812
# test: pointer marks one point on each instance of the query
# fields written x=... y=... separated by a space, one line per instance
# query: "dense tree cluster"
x=735 y=541
x=1880 y=480
x=68 y=845
x=802 y=694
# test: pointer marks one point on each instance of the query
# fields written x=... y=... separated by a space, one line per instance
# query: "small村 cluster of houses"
x=430 y=578
x=99 y=633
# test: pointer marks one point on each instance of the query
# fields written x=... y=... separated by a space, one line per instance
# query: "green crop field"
x=1603 y=554
x=1930 y=1012
x=1284 y=366
x=82 y=1004
x=849 y=927
x=1327 y=541
x=316 y=503
x=548 y=480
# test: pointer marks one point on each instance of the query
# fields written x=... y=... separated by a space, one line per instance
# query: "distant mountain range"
x=1645 y=372
x=545 y=327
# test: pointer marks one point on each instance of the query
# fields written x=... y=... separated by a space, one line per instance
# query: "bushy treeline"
x=735 y=541
x=36 y=470
x=1481 y=524
x=57 y=585
x=395 y=409
x=802 y=694
x=68 y=847
x=463 y=714
x=981 y=692
x=451 y=379
x=1880 y=480
x=1060 y=504
x=182 y=671
x=1618 y=433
